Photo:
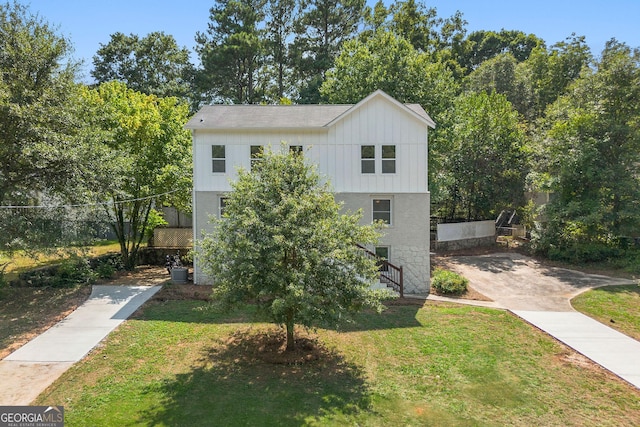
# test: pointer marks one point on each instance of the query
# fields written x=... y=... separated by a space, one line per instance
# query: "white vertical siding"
x=335 y=150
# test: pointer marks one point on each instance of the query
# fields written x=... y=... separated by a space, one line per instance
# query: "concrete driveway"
x=518 y=282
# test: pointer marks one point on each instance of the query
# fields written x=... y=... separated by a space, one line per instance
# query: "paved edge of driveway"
x=33 y=367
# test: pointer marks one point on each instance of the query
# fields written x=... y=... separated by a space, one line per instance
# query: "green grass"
x=618 y=303
x=20 y=261
x=182 y=364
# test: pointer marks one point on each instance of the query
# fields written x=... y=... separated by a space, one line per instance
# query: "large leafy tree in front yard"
x=283 y=244
x=146 y=154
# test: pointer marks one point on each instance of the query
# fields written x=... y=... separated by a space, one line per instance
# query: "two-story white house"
x=374 y=154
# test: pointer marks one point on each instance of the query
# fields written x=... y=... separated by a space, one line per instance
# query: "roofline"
x=427 y=121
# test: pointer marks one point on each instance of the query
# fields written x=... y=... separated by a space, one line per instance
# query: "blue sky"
x=89 y=23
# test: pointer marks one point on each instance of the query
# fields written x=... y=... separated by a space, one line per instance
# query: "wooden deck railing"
x=390 y=274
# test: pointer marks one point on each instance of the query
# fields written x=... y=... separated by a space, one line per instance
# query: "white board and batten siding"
x=335 y=149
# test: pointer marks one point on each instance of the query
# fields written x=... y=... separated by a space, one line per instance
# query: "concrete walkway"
x=541 y=295
x=33 y=367
x=607 y=347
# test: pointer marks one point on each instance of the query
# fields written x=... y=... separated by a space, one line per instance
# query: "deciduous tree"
x=483 y=45
x=153 y=64
x=283 y=243
x=146 y=155
x=591 y=153
x=44 y=160
x=38 y=101
x=486 y=166
x=389 y=62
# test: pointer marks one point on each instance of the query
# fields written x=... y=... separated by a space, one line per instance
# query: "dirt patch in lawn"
x=271 y=347
x=180 y=292
x=144 y=275
x=27 y=312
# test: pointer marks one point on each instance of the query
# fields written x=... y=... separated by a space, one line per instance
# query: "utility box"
x=179 y=274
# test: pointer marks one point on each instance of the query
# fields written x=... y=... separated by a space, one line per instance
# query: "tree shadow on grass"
x=621 y=289
x=239 y=383
x=400 y=313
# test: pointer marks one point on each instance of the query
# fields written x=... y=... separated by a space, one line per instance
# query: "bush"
x=105 y=270
x=448 y=283
x=73 y=271
x=581 y=253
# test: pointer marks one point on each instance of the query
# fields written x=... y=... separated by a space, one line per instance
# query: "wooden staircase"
x=390 y=274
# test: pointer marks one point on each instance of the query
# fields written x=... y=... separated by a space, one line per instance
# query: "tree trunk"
x=290 y=336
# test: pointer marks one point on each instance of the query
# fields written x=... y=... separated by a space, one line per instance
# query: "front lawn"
x=181 y=363
x=615 y=306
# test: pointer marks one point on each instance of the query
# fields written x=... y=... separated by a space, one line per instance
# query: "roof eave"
x=257 y=128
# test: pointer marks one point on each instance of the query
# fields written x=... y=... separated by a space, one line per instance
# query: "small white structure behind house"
x=374 y=153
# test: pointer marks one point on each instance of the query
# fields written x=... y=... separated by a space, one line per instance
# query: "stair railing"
x=390 y=274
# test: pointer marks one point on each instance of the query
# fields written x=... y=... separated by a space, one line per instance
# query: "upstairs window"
x=368 y=158
x=382 y=210
x=388 y=159
x=218 y=159
x=256 y=154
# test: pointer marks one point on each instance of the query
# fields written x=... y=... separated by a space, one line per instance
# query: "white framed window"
x=222 y=204
x=382 y=210
x=368 y=158
x=295 y=149
x=218 y=157
x=256 y=154
x=388 y=159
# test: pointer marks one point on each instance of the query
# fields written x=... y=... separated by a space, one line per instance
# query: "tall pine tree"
x=232 y=52
x=321 y=29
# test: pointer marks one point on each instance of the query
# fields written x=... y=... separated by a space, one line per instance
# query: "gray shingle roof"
x=265 y=116
x=283 y=116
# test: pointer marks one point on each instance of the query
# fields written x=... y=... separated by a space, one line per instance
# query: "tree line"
x=514 y=114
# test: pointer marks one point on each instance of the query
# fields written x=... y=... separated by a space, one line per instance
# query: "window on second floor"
x=218 y=159
x=368 y=158
x=382 y=210
x=388 y=159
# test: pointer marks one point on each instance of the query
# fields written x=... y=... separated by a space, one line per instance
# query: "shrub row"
x=72 y=271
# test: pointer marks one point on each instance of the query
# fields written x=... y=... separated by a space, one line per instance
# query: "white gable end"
x=377 y=122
